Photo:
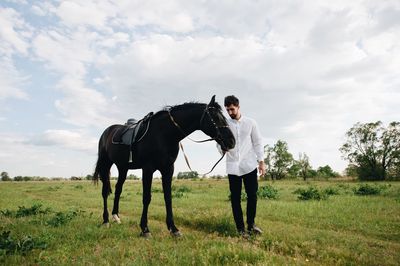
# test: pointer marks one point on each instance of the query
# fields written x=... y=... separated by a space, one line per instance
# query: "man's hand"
x=261 y=168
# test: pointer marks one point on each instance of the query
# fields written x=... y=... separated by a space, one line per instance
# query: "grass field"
x=58 y=223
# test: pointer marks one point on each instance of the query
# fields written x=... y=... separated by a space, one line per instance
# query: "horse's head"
x=214 y=124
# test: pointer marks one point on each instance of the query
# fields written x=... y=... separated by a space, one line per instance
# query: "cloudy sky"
x=305 y=70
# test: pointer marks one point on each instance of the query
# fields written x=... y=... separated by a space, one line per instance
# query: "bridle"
x=218 y=137
x=206 y=111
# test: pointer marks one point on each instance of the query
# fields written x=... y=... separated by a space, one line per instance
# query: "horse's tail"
x=98 y=171
x=103 y=164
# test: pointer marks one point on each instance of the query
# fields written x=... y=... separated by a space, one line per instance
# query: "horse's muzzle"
x=227 y=146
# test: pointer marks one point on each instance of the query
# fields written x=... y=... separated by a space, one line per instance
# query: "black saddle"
x=133 y=131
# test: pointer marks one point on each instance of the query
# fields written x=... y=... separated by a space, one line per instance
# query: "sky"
x=306 y=71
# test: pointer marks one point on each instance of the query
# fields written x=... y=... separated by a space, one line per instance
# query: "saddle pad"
x=118 y=137
x=129 y=134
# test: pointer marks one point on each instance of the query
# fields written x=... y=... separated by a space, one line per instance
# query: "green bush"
x=180 y=191
x=267 y=192
x=311 y=193
x=366 y=189
x=24 y=211
x=34 y=210
x=183 y=189
x=7 y=213
x=9 y=245
x=61 y=218
x=331 y=191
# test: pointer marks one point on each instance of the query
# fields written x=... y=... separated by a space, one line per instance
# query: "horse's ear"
x=212 y=100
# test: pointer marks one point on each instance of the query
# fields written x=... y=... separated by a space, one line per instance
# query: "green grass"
x=344 y=229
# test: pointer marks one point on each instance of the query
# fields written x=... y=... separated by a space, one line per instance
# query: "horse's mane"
x=185 y=106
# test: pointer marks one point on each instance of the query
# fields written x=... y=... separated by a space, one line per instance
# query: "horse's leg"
x=122 y=171
x=147 y=178
x=106 y=190
x=166 y=183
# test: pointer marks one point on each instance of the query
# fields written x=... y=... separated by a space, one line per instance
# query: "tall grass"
x=343 y=229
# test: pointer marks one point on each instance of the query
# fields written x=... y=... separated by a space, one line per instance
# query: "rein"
x=197 y=141
x=188 y=164
x=186 y=136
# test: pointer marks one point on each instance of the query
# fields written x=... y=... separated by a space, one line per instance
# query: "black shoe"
x=254 y=230
x=244 y=234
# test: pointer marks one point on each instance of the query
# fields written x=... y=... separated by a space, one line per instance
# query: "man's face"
x=233 y=111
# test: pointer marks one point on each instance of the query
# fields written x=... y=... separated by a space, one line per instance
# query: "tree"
x=373 y=149
x=132 y=177
x=326 y=172
x=391 y=151
x=394 y=170
x=312 y=173
x=278 y=159
x=18 y=178
x=5 y=176
x=304 y=163
x=294 y=170
x=187 y=175
x=351 y=170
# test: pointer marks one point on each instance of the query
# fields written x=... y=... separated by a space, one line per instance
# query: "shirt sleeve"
x=257 y=142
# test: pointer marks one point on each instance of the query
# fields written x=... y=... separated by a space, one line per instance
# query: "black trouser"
x=251 y=186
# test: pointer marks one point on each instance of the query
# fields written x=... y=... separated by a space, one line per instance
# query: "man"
x=242 y=163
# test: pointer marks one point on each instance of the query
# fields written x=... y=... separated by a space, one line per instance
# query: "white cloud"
x=22 y=2
x=61 y=159
x=43 y=9
x=75 y=140
x=66 y=52
x=118 y=38
x=168 y=16
x=11 y=81
x=72 y=54
x=13 y=32
x=93 y=13
x=37 y=10
x=83 y=106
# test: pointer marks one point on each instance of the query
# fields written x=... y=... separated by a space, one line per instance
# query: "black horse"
x=158 y=150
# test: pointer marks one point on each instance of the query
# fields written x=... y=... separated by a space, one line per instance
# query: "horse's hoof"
x=145 y=235
x=116 y=218
x=176 y=234
x=106 y=225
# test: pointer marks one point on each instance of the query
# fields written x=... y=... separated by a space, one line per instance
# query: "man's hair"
x=231 y=99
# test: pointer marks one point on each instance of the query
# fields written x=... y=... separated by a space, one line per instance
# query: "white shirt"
x=249 y=148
